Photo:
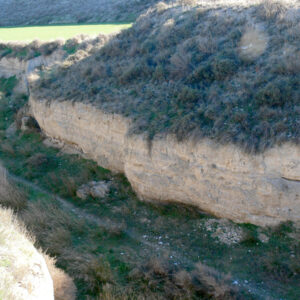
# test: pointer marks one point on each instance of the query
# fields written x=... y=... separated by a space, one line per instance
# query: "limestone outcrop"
x=261 y=189
x=13 y=66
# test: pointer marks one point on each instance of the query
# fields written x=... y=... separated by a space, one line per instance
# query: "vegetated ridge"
x=228 y=72
x=26 y=51
x=27 y=12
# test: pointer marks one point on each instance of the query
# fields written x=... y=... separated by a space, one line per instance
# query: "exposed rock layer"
x=262 y=189
x=13 y=66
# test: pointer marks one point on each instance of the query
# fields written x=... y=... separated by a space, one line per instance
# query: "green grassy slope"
x=46 y=33
x=227 y=73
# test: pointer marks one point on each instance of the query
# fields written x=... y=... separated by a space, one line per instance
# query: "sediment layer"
x=223 y=180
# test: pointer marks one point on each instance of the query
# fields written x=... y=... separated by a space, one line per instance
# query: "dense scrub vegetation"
x=27 y=12
x=229 y=73
x=25 y=51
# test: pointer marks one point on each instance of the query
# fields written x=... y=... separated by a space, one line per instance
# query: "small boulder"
x=83 y=192
x=99 y=189
x=95 y=189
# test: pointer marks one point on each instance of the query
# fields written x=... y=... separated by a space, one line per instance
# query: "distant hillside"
x=228 y=71
x=29 y=12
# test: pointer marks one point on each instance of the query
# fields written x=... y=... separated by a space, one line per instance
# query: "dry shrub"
x=181 y=63
x=289 y=63
x=92 y=272
x=51 y=226
x=161 y=7
x=165 y=31
x=8 y=148
x=158 y=267
x=272 y=9
x=69 y=183
x=35 y=45
x=43 y=217
x=206 y=44
x=183 y=279
x=48 y=48
x=37 y=160
x=10 y=196
x=111 y=292
x=64 y=288
x=202 y=283
x=58 y=239
x=26 y=150
x=212 y=283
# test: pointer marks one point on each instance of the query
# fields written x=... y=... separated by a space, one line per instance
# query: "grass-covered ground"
x=118 y=247
x=53 y=32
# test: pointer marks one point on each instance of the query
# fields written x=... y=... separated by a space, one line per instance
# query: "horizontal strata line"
x=292 y=180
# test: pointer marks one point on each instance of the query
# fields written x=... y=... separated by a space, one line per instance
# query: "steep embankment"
x=262 y=189
x=23 y=270
x=195 y=104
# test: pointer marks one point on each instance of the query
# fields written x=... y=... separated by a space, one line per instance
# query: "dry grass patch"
x=9 y=195
x=64 y=288
x=203 y=282
x=23 y=272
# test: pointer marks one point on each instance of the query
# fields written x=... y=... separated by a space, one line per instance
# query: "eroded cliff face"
x=13 y=66
x=261 y=189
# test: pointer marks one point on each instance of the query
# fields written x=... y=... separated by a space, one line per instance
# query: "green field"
x=46 y=33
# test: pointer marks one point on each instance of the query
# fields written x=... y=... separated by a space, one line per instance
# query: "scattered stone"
x=64 y=148
x=49 y=142
x=95 y=189
x=263 y=238
x=83 y=192
x=225 y=231
x=99 y=189
x=71 y=150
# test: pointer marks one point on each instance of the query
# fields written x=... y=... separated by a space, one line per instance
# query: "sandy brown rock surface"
x=262 y=189
x=13 y=66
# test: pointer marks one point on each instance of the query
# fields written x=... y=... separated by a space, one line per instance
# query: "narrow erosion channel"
x=153 y=243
